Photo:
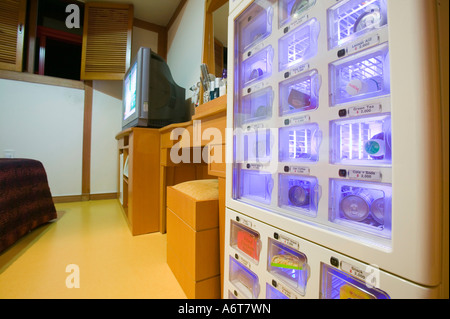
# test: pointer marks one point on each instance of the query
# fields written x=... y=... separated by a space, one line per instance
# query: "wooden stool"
x=193 y=237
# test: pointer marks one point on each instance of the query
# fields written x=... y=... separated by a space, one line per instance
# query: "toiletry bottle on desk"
x=217 y=87
x=211 y=90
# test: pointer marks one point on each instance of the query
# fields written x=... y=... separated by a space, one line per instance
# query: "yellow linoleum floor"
x=94 y=236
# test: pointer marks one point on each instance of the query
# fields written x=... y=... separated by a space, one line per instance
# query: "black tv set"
x=151 y=98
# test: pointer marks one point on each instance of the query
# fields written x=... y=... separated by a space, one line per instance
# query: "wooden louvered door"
x=106 y=48
x=12 y=30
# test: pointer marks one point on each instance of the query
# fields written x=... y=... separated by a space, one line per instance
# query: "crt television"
x=151 y=98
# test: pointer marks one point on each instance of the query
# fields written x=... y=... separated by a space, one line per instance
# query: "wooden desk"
x=205 y=130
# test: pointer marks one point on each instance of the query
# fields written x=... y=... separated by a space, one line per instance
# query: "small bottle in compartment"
x=299 y=194
x=290 y=10
x=288 y=265
x=299 y=44
x=246 y=240
x=364 y=140
x=360 y=76
x=245 y=280
x=349 y=20
x=336 y=284
x=363 y=206
x=300 y=93
x=300 y=143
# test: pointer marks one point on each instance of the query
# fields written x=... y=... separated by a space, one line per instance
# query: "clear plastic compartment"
x=300 y=144
x=362 y=141
x=288 y=265
x=245 y=240
x=258 y=145
x=360 y=76
x=257 y=67
x=349 y=20
x=336 y=284
x=300 y=93
x=256 y=186
x=254 y=25
x=272 y=293
x=256 y=106
x=245 y=280
x=362 y=206
x=299 y=194
x=299 y=44
x=289 y=10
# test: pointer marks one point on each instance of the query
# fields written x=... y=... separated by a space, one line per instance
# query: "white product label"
x=354 y=271
x=289 y=242
x=299 y=120
x=286 y=291
x=365 y=175
x=297 y=22
x=365 y=109
x=364 y=44
x=300 y=69
x=255 y=87
x=245 y=222
x=254 y=127
x=145 y=106
x=245 y=262
x=299 y=170
x=254 y=50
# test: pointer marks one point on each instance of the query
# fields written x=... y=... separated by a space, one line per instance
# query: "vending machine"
x=334 y=163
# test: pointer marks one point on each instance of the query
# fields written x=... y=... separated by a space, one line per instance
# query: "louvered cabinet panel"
x=12 y=30
x=107 y=33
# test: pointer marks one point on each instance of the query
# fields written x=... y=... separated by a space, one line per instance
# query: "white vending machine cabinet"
x=336 y=117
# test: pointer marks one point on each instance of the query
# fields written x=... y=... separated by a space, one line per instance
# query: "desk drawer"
x=214 y=136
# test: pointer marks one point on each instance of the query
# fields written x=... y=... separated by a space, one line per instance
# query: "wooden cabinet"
x=139 y=171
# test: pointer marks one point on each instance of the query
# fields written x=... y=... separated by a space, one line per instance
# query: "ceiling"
x=155 y=11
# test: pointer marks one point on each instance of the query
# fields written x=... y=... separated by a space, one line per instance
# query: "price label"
x=254 y=50
x=299 y=170
x=363 y=44
x=365 y=109
x=365 y=175
x=299 y=120
x=289 y=242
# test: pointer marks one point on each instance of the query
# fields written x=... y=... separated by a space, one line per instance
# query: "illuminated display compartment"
x=361 y=76
x=349 y=20
x=257 y=67
x=300 y=94
x=299 y=44
x=299 y=194
x=254 y=25
x=256 y=106
x=289 y=10
x=288 y=265
x=257 y=146
x=255 y=186
x=272 y=293
x=336 y=284
x=362 y=206
x=245 y=240
x=362 y=141
x=245 y=280
x=300 y=144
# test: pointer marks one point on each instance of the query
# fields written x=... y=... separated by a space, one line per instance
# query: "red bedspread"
x=25 y=199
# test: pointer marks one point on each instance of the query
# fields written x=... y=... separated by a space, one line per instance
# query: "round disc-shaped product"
x=298 y=196
x=377 y=209
x=355 y=207
x=369 y=19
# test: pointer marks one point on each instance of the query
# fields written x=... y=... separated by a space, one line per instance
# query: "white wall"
x=45 y=123
x=185 y=43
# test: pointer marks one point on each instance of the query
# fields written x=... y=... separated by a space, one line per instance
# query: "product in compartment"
x=286 y=261
x=248 y=243
x=371 y=18
x=357 y=86
x=376 y=146
x=298 y=99
x=356 y=206
x=377 y=209
x=261 y=111
x=298 y=7
x=299 y=196
x=351 y=292
x=256 y=73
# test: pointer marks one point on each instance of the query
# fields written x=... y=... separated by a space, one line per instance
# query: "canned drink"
x=299 y=196
x=356 y=206
x=377 y=209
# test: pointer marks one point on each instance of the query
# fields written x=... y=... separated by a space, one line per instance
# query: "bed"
x=25 y=199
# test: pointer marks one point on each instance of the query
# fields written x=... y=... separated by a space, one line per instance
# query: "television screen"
x=130 y=92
